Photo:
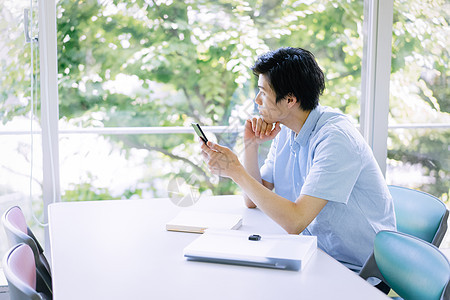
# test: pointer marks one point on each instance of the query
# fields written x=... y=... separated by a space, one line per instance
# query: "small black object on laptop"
x=254 y=237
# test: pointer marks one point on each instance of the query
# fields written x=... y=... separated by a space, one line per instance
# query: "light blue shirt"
x=329 y=159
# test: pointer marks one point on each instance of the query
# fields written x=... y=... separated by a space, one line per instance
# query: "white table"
x=120 y=250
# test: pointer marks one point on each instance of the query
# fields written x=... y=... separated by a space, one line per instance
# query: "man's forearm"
x=252 y=167
x=294 y=217
x=279 y=209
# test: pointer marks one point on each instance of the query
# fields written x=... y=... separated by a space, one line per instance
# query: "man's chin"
x=267 y=120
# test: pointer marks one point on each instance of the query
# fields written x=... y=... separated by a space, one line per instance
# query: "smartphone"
x=199 y=132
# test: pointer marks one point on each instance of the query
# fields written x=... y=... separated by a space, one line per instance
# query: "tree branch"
x=21 y=174
x=191 y=105
x=130 y=143
x=200 y=96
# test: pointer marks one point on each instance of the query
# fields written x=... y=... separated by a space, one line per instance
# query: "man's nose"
x=258 y=100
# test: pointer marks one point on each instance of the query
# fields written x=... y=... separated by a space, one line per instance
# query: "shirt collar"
x=307 y=128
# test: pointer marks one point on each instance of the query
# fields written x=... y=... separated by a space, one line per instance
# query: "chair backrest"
x=415 y=269
x=18 y=232
x=419 y=214
x=16 y=228
x=20 y=272
x=16 y=218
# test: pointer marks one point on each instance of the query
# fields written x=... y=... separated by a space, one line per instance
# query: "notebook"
x=198 y=221
x=281 y=251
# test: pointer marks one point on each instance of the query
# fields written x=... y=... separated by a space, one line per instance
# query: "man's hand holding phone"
x=220 y=160
x=258 y=131
x=199 y=132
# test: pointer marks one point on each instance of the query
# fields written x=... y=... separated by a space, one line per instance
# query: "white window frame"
x=375 y=76
x=49 y=107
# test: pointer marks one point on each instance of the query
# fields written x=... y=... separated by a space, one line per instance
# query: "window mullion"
x=376 y=69
x=49 y=105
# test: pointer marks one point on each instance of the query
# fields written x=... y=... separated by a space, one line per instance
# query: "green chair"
x=419 y=214
x=415 y=269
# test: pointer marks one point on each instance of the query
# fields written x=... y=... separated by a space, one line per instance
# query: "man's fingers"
x=261 y=129
x=276 y=130
x=277 y=126
x=217 y=147
x=259 y=123
x=248 y=122
x=268 y=129
x=205 y=156
x=254 y=120
x=206 y=149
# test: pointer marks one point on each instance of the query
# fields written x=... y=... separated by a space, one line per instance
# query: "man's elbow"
x=250 y=205
x=294 y=229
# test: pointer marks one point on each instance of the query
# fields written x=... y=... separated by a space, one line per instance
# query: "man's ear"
x=291 y=100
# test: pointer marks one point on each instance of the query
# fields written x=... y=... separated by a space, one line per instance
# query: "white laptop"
x=281 y=251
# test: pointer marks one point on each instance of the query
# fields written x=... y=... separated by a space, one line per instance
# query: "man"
x=326 y=180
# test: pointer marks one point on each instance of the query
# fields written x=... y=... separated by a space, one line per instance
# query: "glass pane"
x=418 y=158
x=167 y=63
x=170 y=63
x=95 y=167
x=18 y=151
x=15 y=162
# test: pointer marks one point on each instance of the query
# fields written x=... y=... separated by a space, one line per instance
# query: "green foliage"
x=85 y=192
x=425 y=147
x=420 y=38
x=168 y=63
x=15 y=66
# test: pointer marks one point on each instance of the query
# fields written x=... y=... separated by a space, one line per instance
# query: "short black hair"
x=292 y=71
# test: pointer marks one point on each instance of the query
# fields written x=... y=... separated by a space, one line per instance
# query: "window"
x=419 y=117
x=20 y=152
x=128 y=69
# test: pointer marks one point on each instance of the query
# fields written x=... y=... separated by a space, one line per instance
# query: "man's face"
x=269 y=110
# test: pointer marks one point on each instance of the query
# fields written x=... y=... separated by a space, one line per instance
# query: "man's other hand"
x=258 y=131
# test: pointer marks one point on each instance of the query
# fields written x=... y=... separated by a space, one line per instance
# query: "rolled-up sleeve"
x=335 y=168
